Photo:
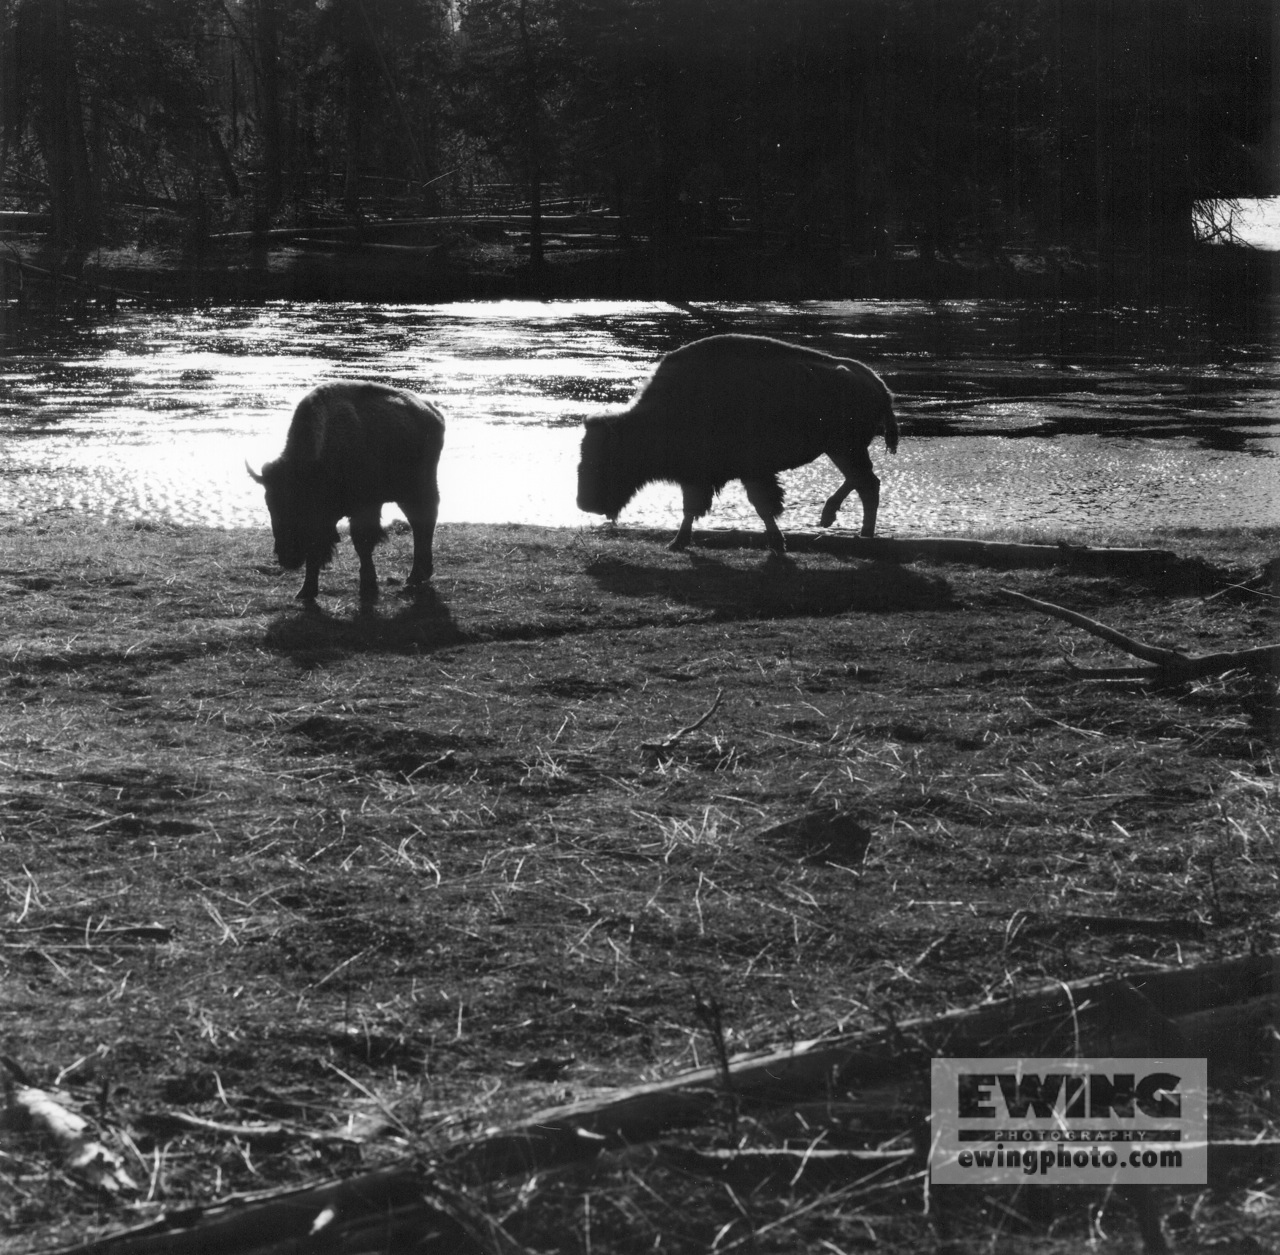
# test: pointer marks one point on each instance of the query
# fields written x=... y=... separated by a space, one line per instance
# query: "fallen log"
x=390 y=226
x=345 y=247
x=392 y=1210
x=1222 y=1010
x=1004 y=553
x=990 y=553
x=1144 y=1012
x=22 y=220
x=1169 y=664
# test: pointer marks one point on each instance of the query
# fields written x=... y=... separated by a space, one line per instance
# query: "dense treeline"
x=808 y=123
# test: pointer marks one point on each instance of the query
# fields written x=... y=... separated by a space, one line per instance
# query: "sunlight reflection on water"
x=153 y=415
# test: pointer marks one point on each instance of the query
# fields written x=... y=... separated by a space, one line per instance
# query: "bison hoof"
x=680 y=542
x=826 y=520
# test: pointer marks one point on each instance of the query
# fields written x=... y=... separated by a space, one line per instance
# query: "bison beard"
x=740 y=407
x=351 y=448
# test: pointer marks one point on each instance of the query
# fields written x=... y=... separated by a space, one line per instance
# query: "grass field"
x=400 y=874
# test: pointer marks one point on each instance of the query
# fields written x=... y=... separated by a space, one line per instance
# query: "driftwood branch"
x=662 y=747
x=1169 y=664
x=1220 y=1010
x=170 y=1122
x=82 y=1154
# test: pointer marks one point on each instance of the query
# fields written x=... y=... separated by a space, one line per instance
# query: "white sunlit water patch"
x=967 y=483
x=939 y=487
x=153 y=415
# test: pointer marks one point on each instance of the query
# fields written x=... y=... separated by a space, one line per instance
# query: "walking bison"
x=351 y=448
x=740 y=407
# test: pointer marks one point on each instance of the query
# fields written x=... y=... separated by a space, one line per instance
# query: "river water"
x=1034 y=414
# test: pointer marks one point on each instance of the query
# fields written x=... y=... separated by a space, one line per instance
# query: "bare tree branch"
x=1171 y=664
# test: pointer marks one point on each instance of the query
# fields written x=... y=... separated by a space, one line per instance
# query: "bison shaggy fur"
x=351 y=448
x=740 y=407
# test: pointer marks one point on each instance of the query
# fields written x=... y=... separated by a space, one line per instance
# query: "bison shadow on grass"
x=777 y=589
x=312 y=635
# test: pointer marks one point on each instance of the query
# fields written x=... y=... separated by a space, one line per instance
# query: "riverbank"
x=384 y=878
x=454 y=259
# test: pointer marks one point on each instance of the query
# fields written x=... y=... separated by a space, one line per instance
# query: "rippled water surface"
x=1012 y=413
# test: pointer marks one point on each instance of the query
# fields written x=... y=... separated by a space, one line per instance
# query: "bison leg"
x=859 y=478
x=366 y=531
x=766 y=495
x=310 y=589
x=697 y=501
x=422 y=518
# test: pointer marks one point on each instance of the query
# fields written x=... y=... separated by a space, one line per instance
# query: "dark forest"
x=822 y=129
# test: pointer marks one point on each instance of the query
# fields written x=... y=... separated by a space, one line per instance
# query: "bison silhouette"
x=740 y=407
x=351 y=448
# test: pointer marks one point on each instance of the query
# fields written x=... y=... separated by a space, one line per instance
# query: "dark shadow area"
x=777 y=588
x=372 y=745
x=311 y=635
x=1158 y=569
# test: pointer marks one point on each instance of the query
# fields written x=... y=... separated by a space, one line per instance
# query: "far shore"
x=443 y=262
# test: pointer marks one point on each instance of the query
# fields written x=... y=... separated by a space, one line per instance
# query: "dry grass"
x=387 y=877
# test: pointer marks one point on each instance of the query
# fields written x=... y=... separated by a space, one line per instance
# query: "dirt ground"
x=389 y=877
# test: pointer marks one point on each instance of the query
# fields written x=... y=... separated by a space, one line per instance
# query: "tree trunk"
x=351 y=180
x=72 y=197
x=4 y=135
x=668 y=162
x=267 y=67
x=757 y=115
x=223 y=161
x=533 y=152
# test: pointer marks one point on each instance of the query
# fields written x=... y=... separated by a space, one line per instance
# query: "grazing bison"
x=352 y=447
x=740 y=407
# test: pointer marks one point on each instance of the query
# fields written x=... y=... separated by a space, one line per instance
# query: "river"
x=1035 y=414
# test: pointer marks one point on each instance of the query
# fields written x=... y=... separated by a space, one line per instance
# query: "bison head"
x=602 y=486
x=300 y=528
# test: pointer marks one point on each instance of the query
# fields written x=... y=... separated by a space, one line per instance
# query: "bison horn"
x=253 y=475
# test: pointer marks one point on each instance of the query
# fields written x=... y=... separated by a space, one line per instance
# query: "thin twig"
x=661 y=747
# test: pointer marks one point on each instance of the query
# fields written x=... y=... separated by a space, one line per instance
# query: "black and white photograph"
x=637 y=626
